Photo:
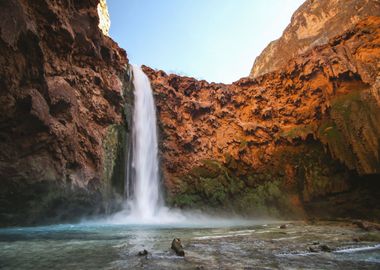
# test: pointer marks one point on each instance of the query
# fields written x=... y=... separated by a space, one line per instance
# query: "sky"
x=215 y=40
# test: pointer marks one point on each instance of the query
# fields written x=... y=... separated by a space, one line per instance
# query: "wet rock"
x=325 y=248
x=177 y=247
x=370 y=237
x=367 y=226
x=312 y=221
x=142 y=253
x=313 y=249
x=283 y=226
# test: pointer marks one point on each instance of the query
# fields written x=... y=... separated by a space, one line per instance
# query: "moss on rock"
x=114 y=146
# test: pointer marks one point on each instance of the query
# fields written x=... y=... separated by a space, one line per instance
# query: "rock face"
x=104 y=17
x=293 y=142
x=62 y=125
x=313 y=24
x=302 y=140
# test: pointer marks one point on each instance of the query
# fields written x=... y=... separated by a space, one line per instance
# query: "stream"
x=237 y=245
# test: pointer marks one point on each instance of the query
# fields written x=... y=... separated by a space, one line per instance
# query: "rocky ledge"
x=314 y=23
x=303 y=141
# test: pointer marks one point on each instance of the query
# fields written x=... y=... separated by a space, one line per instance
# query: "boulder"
x=177 y=247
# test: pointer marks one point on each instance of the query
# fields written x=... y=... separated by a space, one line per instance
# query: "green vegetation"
x=212 y=185
x=114 y=147
x=343 y=104
x=266 y=199
x=209 y=184
x=295 y=177
x=350 y=115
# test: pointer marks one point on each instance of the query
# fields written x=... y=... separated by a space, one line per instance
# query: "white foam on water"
x=358 y=249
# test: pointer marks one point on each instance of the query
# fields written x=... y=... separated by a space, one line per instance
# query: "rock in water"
x=143 y=253
x=177 y=247
x=325 y=248
x=312 y=249
x=367 y=226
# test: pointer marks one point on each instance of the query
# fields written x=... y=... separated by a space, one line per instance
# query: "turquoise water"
x=249 y=245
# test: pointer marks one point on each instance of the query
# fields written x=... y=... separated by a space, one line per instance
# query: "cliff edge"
x=313 y=24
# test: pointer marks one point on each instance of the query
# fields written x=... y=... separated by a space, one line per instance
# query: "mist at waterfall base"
x=145 y=204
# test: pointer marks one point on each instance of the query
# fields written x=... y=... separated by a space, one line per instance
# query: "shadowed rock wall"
x=62 y=122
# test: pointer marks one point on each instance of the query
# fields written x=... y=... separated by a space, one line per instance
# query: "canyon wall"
x=104 y=17
x=63 y=86
x=313 y=24
x=302 y=141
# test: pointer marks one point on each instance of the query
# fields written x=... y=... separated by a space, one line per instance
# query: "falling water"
x=146 y=201
x=144 y=204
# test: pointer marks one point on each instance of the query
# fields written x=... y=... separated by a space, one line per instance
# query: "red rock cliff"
x=313 y=24
x=61 y=96
x=291 y=138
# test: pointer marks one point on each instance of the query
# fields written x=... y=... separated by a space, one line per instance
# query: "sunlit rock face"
x=61 y=84
x=104 y=18
x=282 y=143
x=313 y=24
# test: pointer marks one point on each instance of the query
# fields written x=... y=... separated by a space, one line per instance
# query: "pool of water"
x=244 y=245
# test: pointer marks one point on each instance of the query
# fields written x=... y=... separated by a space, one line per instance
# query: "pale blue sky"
x=215 y=40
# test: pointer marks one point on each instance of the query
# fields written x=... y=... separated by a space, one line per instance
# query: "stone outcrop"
x=292 y=139
x=62 y=125
x=313 y=24
x=104 y=17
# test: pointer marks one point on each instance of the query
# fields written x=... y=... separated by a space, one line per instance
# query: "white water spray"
x=146 y=206
x=146 y=200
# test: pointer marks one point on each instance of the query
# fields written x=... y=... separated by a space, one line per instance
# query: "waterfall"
x=146 y=200
x=144 y=203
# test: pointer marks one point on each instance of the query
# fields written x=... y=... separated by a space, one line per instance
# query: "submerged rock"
x=323 y=248
x=142 y=253
x=177 y=247
x=313 y=249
